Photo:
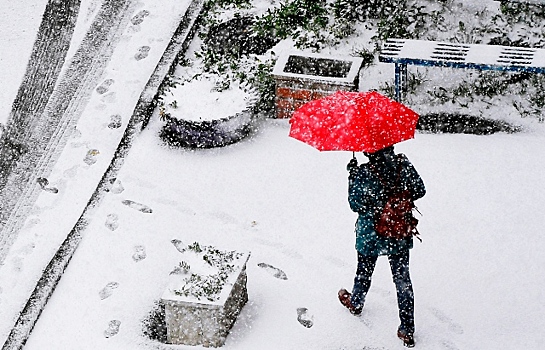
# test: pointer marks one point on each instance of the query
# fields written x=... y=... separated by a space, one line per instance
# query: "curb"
x=139 y=119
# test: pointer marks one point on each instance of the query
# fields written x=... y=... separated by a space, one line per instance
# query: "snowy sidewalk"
x=111 y=111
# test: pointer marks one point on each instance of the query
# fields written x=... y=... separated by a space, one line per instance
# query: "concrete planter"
x=209 y=133
x=193 y=314
x=301 y=77
x=218 y=118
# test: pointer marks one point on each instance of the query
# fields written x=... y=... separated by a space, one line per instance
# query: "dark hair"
x=380 y=153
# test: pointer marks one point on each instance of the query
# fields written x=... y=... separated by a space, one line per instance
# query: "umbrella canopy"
x=353 y=121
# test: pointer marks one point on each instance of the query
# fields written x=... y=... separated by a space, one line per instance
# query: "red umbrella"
x=353 y=121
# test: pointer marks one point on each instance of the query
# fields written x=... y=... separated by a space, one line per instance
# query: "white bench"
x=526 y=1
x=403 y=52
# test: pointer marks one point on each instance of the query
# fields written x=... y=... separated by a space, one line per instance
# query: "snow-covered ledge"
x=205 y=295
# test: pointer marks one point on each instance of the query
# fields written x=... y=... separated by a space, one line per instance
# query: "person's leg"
x=362 y=281
x=399 y=265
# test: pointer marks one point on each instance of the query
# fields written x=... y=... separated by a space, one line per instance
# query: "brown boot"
x=344 y=298
x=408 y=338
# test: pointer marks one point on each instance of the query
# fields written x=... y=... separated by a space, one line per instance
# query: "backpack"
x=396 y=219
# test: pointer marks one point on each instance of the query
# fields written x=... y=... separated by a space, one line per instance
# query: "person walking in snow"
x=369 y=186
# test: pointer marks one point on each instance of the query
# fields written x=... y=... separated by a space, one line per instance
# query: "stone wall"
x=205 y=324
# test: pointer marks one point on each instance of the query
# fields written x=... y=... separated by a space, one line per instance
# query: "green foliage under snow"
x=318 y=25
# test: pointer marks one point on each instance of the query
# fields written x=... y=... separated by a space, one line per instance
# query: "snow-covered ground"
x=476 y=275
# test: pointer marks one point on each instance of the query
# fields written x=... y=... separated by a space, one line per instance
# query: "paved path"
x=48 y=103
x=92 y=90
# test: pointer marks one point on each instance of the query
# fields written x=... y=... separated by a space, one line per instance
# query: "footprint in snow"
x=139 y=253
x=276 y=272
x=71 y=172
x=112 y=222
x=113 y=328
x=31 y=222
x=101 y=106
x=105 y=86
x=449 y=345
x=43 y=182
x=115 y=121
x=138 y=206
x=91 y=156
x=27 y=249
x=142 y=53
x=17 y=263
x=117 y=187
x=304 y=317
x=108 y=290
x=443 y=317
x=179 y=245
x=110 y=97
x=139 y=17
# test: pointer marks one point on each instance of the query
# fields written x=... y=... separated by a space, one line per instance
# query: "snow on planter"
x=205 y=295
x=198 y=114
x=301 y=77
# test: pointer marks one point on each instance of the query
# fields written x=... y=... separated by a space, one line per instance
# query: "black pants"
x=399 y=264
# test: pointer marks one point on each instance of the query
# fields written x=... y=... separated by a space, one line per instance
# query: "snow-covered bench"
x=526 y=1
x=403 y=52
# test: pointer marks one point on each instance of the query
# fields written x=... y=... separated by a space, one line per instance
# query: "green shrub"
x=301 y=20
x=524 y=21
x=224 y=4
x=356 y=10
